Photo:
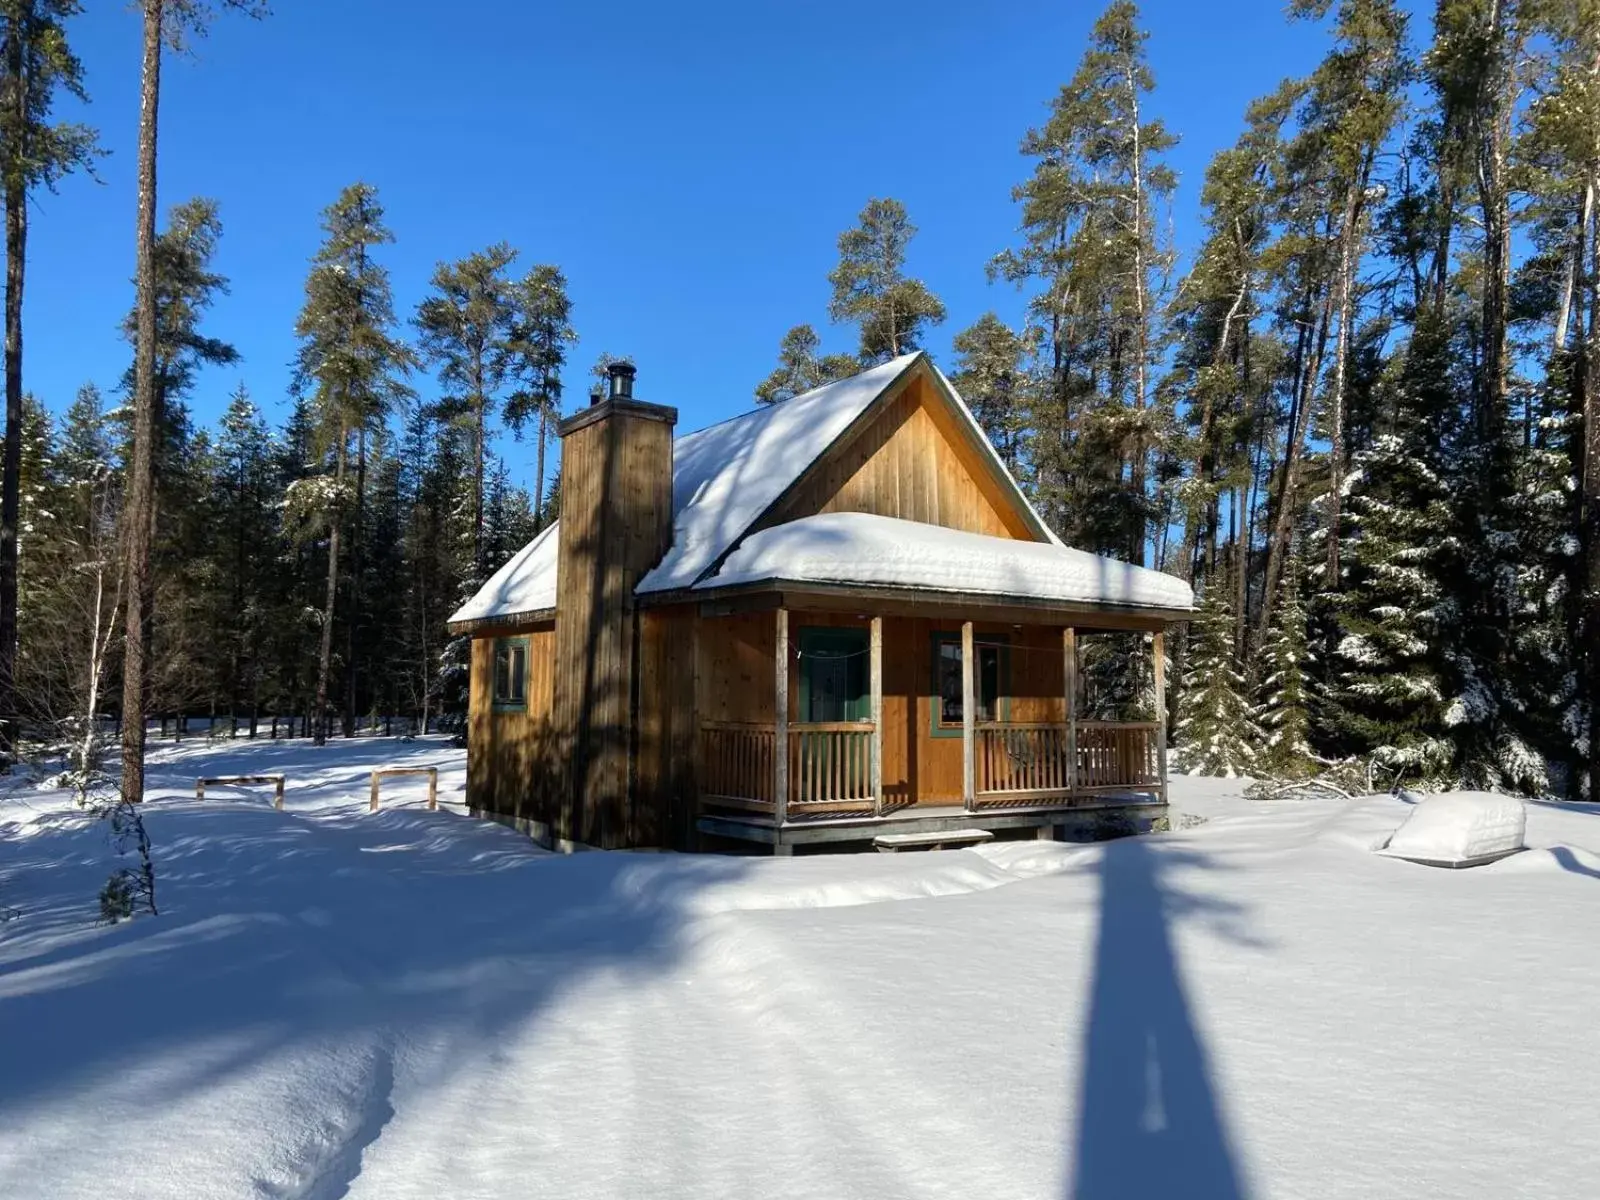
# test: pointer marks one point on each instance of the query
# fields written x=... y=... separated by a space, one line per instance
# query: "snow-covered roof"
x=525 y=584
x=727 y=475
x=724 y=478
x=860 y=548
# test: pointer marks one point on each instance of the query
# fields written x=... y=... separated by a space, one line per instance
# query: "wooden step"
x=890 y=843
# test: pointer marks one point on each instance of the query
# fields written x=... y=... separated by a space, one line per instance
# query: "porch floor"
x=763 y=829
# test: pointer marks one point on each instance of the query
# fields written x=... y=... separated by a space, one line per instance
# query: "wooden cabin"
x=832 y=619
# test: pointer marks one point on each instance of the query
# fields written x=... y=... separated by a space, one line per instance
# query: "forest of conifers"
x=1361 y=418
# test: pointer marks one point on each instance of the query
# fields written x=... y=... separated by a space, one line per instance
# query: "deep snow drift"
x=415 y=1004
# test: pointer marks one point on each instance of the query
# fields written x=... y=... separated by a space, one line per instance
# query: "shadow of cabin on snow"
x=828 y=619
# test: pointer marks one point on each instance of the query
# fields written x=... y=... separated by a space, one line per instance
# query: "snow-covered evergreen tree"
x=1395 y=621
x=1283 y=713
x=1215 y=732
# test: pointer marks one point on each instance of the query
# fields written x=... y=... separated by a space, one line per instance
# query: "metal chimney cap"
x=621 y=375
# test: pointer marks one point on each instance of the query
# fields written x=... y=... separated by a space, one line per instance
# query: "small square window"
x=511 y=673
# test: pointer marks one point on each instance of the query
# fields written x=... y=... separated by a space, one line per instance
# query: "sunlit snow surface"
x=416 y=1004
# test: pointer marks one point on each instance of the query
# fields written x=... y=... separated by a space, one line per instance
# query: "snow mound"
x=699 y=887
x=1459 y=828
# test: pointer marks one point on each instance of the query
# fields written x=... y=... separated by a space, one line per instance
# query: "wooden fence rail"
x=433 y=783
x=275 y=780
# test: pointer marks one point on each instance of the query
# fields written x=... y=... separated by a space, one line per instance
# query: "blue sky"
x=688 y=165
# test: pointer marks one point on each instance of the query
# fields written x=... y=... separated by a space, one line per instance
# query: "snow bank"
x=861 y=548
x=1460 y=828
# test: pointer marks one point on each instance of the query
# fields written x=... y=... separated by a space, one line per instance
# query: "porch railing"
x=736 y=764
x=1116 y=755
x=830 y=765
x=1022 y=762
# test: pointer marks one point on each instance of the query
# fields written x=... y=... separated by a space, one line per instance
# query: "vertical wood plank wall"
x=913 y=463
x=508 y=753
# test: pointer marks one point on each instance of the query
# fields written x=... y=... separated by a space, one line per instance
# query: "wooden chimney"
x=616 y=523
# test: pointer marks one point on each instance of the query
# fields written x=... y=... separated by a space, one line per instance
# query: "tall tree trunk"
x=1284 y=506
x=139 y=519
x=16 y=200
x=538 y=496
x=1589 y=527
x=1141 y=313
x=357 y=549
x=325 y=655
x=1349 y=242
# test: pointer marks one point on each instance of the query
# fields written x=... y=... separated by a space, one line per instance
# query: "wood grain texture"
x=910 y=461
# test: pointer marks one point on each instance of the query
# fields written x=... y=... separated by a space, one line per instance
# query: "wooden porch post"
x=780 y=725
x=1159 y=648
x=875 y=682
x=969 y=781
x=1069 y=673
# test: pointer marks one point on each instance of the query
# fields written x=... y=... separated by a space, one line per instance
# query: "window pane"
x=949 y=683
x=988 y=683
x=502 y=672
x=519 y=673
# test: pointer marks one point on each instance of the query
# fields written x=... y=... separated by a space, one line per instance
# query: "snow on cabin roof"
x=727 y=475
x=525 y=584
x=863 y=549
x=723 y=478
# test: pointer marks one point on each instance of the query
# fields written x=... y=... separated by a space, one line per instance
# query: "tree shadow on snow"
x=281 y=933
x=1149 y=1121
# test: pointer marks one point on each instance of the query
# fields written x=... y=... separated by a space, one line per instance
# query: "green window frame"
x=509 y=674
x=991 y=681
x=834 y=683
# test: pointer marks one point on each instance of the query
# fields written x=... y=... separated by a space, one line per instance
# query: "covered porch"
x=834 y=715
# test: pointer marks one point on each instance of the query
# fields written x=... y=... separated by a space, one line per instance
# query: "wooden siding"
x=616 y=522
x=665 y=783
x=508 y=763
x=911 y=461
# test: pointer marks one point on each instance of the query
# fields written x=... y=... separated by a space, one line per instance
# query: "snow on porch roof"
x=867 y=550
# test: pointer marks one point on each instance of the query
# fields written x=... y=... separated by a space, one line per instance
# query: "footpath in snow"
x=416 y=1004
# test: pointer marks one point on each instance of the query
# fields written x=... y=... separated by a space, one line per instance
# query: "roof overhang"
x=888 y=600
x=480 y=625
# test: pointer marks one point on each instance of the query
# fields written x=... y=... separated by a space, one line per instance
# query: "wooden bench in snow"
x=433 y=783
x=234 y=780
x=889 y=843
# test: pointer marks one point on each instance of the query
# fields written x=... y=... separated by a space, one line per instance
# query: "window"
x=511 y=673
x=833 y=675
x=989 y=678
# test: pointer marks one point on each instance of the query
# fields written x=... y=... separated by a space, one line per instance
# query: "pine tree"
x=992 y=378
x=872 y=290
x=35 y=63
x=1095 y=262
x=355 y=367
x=1215 y=731
x=800 y=368
x=245 y=499
x=466 y=329
x=542 y=331
x=1284 y=710
x=1395 y=616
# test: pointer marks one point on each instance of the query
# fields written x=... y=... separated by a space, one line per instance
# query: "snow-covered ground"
x=416 y=1004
